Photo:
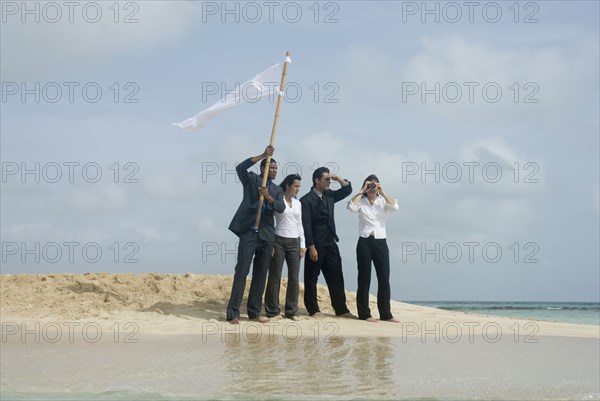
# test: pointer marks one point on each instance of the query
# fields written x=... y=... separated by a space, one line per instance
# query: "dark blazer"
x=244 y=218
x=319 y=226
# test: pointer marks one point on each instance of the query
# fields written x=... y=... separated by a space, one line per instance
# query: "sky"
x=481 y=118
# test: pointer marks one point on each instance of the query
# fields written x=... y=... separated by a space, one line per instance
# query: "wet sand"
x=279 y=367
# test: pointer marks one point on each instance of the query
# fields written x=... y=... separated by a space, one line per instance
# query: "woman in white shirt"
x=289 y=246
x=373 y=205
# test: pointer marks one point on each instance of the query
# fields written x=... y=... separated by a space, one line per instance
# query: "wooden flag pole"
x=273 y=132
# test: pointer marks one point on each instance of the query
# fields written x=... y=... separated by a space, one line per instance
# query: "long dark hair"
x=369 y=178
x=289 y=180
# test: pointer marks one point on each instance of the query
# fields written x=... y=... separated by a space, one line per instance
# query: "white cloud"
x=459 y=210
x=92 y=198
x=550 y=74
x=148 y=233
x=44 y=47
x=172 y=185
x=495 y=146
x=26 y=231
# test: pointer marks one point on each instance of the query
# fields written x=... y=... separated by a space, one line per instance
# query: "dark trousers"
x=330 y=263
x=287 y=249
x=375 y=250
x=251 y=246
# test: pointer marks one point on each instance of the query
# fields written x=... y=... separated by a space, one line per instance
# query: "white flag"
x=263 y=84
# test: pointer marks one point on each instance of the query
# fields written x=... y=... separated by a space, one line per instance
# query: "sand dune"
x=169 y=303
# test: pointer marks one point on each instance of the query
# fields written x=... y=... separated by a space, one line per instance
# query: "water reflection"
x=282 y=367
x=372 y=362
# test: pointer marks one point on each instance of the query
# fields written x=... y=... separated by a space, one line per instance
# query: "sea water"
x=566 y=312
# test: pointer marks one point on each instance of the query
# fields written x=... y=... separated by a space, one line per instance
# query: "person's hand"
x=302 y=252
x=273 y=252
x=312 y=252
x=336 y=177
x=379 y=188
x=371 y=185
x=268 y=151
x=364 y=188
x=265 y=193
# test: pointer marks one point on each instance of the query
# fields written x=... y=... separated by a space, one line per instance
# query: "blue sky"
x=504 y=93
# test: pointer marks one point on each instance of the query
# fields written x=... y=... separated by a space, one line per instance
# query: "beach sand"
x=155 y=335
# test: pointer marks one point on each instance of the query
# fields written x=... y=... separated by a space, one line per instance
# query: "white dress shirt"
x=372 y=218
x=289 y=223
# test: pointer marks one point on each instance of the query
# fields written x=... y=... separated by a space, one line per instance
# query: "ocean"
x=565 y=312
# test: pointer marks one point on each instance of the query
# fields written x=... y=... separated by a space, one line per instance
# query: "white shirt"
x=289 y=223
x=372 y=218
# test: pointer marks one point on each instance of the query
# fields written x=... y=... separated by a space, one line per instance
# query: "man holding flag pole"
x=254 y=221
x=256 y=240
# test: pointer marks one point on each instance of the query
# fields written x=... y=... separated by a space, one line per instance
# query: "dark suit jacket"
x=319 y=226
x=244 y=218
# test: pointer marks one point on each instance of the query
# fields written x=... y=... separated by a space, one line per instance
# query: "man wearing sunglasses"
x=321 y=241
